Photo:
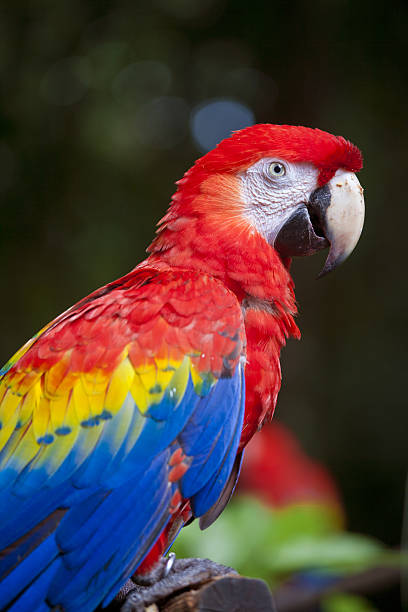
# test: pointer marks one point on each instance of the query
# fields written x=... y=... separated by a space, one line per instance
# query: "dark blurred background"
x=106 y=104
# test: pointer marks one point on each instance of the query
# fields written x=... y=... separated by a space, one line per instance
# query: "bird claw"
x=169 y=565
x=169 y=577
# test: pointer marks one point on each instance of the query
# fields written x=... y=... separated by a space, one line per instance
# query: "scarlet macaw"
x=127 y=414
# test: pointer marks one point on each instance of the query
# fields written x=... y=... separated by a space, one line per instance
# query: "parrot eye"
x=277 y=169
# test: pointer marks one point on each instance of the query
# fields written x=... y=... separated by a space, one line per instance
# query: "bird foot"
x=168 y=578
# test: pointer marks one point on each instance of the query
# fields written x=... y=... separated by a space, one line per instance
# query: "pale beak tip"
x=330 y=264
x=344 y=218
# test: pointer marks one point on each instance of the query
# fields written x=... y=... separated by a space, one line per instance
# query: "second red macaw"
x=127 y=415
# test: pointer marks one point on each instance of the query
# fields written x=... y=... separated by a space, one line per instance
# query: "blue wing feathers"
x=214 y=512
x=78 y=523
x=108 y=444
x=155 y=436
x=119 y=463
x=18 y=518
x=207 y=444
x=116 y=498
x=25 y=545
x=25 y=573
x=150 y=533
x=36 y=473
x=209 y=417
x=34 y=597
x=206 y=497
x=88 y=575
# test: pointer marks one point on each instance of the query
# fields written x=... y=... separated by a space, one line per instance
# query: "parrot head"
x=293 y=187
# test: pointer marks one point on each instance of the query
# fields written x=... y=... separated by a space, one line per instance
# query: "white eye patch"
x=272 y=189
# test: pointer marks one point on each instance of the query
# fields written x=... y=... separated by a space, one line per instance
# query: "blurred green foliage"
x=346 y=603
x=95 y=129
x=281 y=542
x=298 y=544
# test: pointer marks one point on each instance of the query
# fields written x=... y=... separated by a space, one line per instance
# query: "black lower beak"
x=333 y=217
x=303 y=233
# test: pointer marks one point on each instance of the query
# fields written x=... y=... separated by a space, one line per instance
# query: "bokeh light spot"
x=217 y=119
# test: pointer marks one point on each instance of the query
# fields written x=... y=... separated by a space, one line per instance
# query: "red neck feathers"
x=205 y=229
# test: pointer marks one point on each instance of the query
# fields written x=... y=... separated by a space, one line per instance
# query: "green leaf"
x=339 y=551
x=273 y=544
x=346 y=603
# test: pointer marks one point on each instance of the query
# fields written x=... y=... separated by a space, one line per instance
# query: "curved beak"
x=333 y=217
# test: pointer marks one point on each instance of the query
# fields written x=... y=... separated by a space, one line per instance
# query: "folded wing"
x=123 y=406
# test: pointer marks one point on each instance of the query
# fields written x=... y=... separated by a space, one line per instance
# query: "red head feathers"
x=292 y=143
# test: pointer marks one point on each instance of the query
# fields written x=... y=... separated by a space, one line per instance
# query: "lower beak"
x=333 y=217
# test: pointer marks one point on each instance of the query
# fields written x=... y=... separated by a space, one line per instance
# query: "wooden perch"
x=201 y=592
x=230 y=592
x=223 y=595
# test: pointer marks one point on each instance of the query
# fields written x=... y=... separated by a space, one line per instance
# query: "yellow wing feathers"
x=59 y=402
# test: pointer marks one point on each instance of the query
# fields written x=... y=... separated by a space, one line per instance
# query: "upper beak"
x=334 y=217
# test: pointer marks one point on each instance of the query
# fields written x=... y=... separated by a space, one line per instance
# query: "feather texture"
x=119 y=392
